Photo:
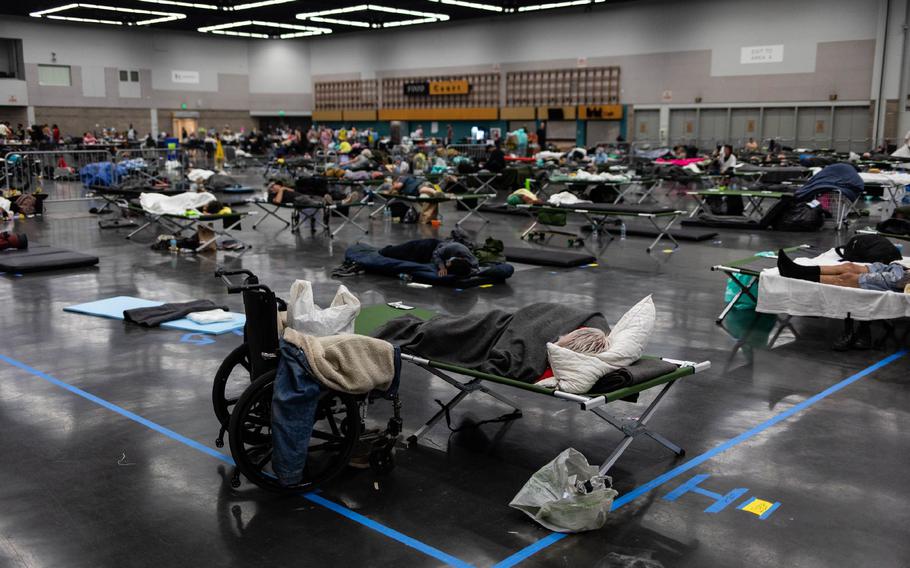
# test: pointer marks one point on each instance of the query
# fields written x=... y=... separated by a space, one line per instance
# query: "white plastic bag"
x=308 y=318
x=567 y=495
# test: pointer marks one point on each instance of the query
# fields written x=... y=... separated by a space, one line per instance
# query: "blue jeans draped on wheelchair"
x=294 y=402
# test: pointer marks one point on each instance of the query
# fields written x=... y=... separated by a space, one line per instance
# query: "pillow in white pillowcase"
x=577 y=372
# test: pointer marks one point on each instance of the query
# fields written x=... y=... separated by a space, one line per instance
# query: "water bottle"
x=405 y=277
x=172 y=245
x=386 y=216
x=622 y=231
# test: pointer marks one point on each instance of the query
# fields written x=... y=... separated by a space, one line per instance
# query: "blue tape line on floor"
x=340 y=509
x=626 y=498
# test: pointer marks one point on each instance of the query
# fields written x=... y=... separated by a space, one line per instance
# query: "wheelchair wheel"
x=231 y=379
x=335 y=433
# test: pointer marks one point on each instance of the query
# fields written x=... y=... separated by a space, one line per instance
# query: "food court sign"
x=437 y=88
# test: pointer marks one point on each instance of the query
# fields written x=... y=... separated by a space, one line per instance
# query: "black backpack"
x=894 y=226
x=800 y=217
x=869 y=248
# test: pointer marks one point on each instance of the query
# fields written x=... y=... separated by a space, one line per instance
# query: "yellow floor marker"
x=758 y=507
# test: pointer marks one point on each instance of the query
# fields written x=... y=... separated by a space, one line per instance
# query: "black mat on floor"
x=681 y=234
x=541 y=257
x=38 y=258
x=722 y=223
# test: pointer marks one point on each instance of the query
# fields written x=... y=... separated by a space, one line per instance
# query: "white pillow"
x=577 y=372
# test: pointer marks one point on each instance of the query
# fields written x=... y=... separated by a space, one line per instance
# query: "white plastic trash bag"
x=308 y=318
x=567 y=495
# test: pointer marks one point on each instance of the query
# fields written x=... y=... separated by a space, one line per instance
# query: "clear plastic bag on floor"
x=308 y=318
x=567 y=495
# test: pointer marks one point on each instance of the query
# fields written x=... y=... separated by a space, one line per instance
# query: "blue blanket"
x=369 y=257
x=106 y=174
x=842 y=177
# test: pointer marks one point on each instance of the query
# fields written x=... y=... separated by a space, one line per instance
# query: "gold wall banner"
x=600 y=112
x=455 y=87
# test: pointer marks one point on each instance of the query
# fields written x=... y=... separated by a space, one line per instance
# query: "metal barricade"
x=54 y=172
x=156 y=159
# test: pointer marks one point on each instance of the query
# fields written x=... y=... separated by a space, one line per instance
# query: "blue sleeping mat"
x=369 y=257
x=113 y=308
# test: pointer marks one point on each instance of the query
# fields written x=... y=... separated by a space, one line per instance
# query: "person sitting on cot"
x=877 y=276
x=450 y=258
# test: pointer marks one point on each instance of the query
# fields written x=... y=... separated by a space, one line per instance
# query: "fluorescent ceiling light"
x=257 y=4
x=182 y=4
x=475 y=5
x=420 y=17
x=296 y=30
x=85 y=20
x=553 y=5
x=325 y=20
x=162 y=16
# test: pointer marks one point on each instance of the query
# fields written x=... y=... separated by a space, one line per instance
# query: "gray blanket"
x=638 y=372
x=502 y=343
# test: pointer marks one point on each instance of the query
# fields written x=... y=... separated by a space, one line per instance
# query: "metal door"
x=683 y=126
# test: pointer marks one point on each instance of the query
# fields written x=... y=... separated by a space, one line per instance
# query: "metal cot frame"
x=478 y=199
x=180 y=223
x=739 y=267
x=631 y=428
x=755 y=199
x=599 y=218
x=302 y=214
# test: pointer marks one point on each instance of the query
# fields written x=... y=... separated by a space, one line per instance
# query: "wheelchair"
x=242 y=399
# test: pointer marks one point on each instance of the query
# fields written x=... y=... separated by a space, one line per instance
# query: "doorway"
x=190 y=125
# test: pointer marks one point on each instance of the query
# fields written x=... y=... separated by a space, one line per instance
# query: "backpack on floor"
x=869 y=248
x=894 y=226
x=803 y=217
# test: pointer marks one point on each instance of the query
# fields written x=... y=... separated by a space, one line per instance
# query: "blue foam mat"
x=112 y=308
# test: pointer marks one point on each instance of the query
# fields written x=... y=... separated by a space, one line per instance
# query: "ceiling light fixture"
x=85 y=20
x=52 y=14
x=182 y=4
x=421 y=17
x=296 y=30
x=553 y=5
x=474 y=5
x=257 y=4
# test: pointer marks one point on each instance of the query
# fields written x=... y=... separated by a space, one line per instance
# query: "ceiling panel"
x=286 y=19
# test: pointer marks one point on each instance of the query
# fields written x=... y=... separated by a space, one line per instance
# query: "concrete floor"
x=84 y=485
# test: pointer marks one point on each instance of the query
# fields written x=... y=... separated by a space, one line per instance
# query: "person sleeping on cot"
x=894 y=277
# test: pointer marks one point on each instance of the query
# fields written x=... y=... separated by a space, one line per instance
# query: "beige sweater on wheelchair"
x=348 y=363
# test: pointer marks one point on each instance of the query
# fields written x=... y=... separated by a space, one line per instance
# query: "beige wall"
x=13 y=115
x=73 y=121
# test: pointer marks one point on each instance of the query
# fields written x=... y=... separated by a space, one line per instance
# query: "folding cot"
x=622 y=188
x=301 y=213
x=249 y=416
x=599 y=214
x=755 y=199
x=180 y=223
x=750 y=269
x=472 y=201
x=780 y=295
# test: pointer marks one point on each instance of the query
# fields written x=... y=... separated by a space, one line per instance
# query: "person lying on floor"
x=448 y=256
x=280 y=194
x=894 y=277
